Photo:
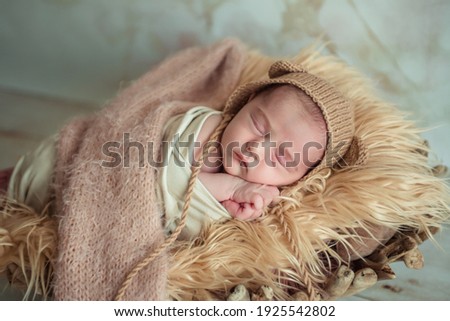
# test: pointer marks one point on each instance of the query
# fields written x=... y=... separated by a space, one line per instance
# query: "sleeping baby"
x=283 y=129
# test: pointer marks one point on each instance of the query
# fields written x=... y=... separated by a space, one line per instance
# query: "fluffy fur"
x=27 y=247
x=395 y=189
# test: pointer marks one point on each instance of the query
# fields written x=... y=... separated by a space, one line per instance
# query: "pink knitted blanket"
x=108 y=216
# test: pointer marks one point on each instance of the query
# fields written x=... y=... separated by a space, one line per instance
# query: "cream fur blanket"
x=108 y=218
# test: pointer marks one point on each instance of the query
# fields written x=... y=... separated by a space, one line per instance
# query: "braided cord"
x=187 y=201
x=302 y=269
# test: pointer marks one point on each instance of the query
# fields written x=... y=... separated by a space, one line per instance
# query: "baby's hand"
x=249 y=200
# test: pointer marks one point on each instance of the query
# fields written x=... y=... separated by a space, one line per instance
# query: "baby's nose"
x=253 y=150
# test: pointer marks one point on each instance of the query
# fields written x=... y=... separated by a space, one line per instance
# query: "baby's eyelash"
x=260 y=128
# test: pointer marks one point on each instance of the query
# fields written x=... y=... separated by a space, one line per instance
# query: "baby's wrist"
x=237 y=184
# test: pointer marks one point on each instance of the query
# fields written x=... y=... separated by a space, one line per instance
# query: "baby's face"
x=273 y=139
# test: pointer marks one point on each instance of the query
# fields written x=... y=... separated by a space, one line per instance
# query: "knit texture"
x=108 y=216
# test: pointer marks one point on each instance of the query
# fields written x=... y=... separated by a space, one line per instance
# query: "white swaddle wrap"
x=179 y=136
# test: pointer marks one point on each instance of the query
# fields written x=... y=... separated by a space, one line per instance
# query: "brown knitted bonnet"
x=342 y=149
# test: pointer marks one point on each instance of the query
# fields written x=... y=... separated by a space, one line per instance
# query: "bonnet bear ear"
x=283 y=67
x=356 y=155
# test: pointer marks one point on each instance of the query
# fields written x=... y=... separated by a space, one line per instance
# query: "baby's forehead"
x=297 y=107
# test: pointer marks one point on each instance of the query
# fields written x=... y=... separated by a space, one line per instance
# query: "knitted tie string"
x=169 y=240
x=187 y=201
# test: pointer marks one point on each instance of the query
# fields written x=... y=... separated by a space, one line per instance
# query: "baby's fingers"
x=258 y=201
x=269 y=194
x=232 y=207
x=247 y=211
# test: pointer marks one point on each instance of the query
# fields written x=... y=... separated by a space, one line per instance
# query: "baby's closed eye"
x=260 y=123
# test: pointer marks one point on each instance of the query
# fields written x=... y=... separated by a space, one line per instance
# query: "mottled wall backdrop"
x=84 y=50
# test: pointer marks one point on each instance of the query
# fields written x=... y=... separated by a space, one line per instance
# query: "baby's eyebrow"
x=266 y=119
